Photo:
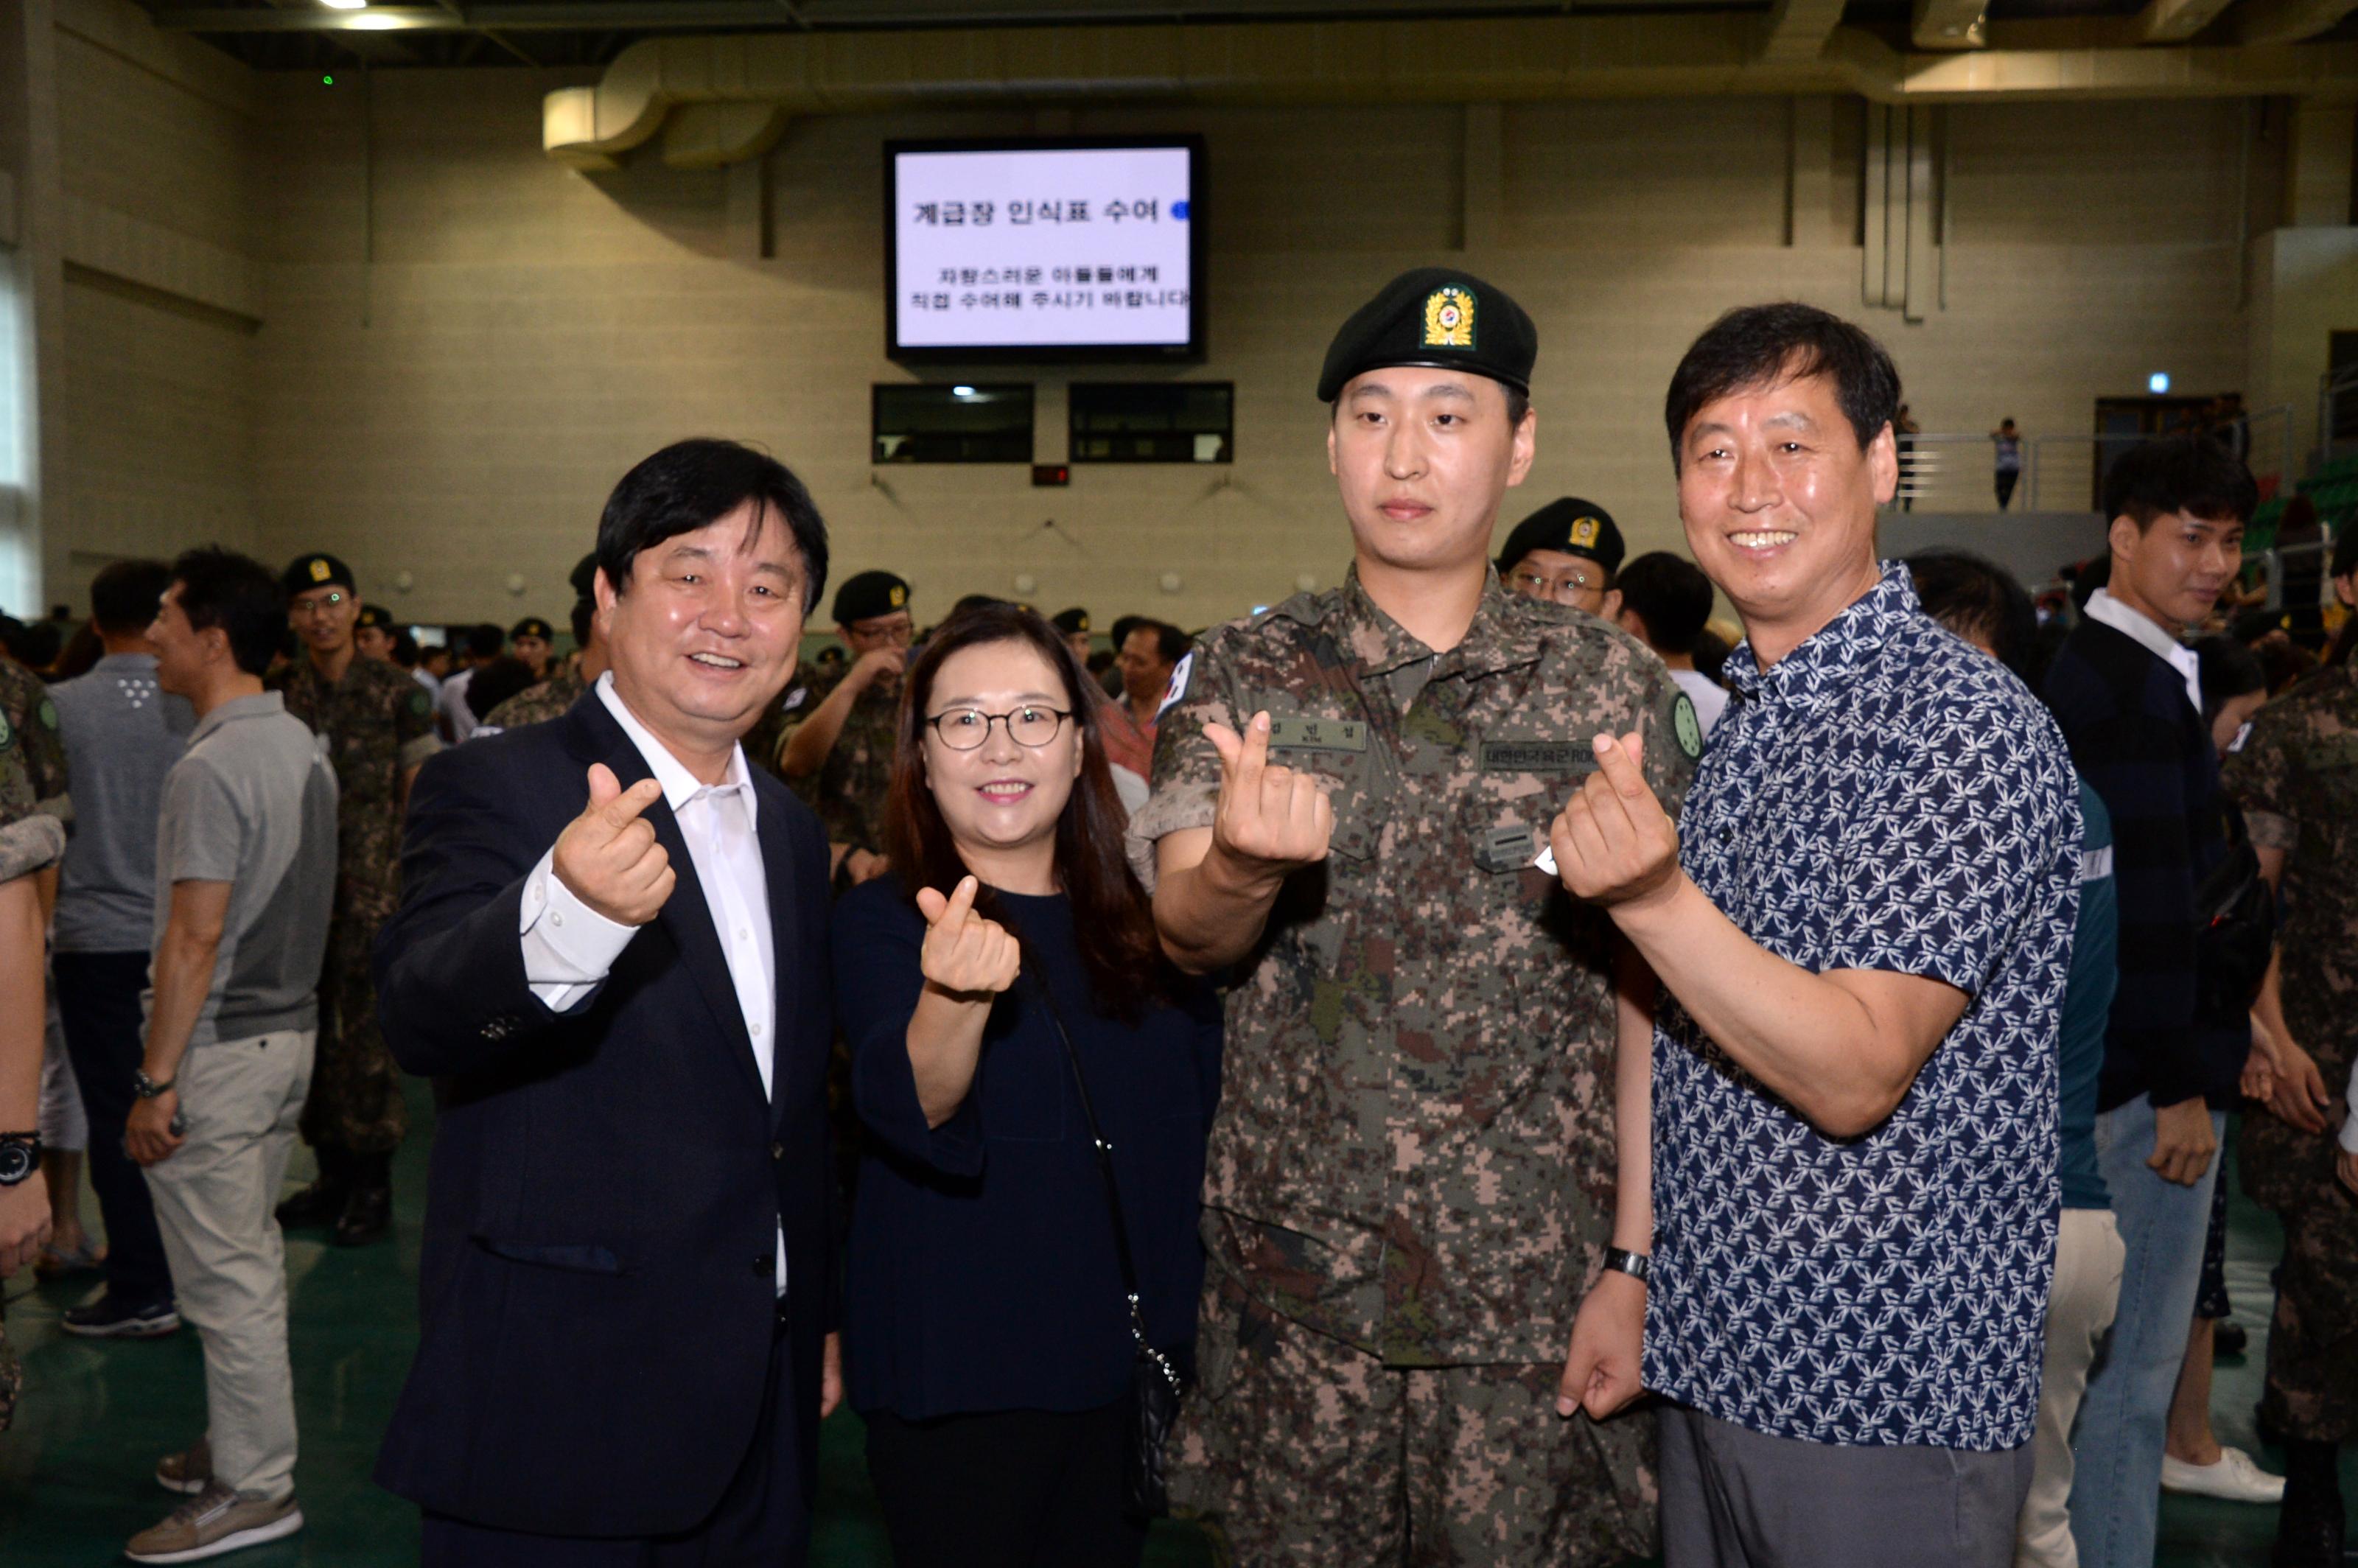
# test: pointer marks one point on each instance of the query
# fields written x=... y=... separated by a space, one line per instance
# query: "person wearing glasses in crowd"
x=833 y=739
x=379 y=726
x=1003 y=995
x=1566 y=553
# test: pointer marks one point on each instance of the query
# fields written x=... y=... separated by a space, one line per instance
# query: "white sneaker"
x=2234 y=1479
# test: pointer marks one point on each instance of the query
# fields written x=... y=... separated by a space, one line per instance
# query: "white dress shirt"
x=569 y=948
x=2146 y=631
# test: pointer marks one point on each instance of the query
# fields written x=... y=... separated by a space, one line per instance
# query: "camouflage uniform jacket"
x=379 y=723
x=30 y=837
x=42 y=750
x=552 y=698
x=848 y=790
x=2297 y=779
x=1414 y=1148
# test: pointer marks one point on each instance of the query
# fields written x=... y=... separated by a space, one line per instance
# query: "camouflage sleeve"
x=29 y=839
x=1187 y=766
x=803 y=693
x=413 y=725
x=1672 y=732
x=41 y=748
x=2260 y=776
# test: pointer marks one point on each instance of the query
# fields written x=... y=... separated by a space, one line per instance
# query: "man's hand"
x=2182 y=1141
x=1269 y=820
x=1608 y=1337
x=830 y=1374
x=877 y=663
x=865 y=867
x=2259 y=1079
x=24 y=1223
x=608 y=857
x=148 y=1135
x=965 y=955
x=2299 y=1098
x=1613 y=842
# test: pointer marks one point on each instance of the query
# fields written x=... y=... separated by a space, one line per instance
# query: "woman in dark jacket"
x=988 y=1335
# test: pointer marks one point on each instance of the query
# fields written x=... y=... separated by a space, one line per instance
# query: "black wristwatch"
x=144 y=1087
x=1621 y=1260
x=20 y=1156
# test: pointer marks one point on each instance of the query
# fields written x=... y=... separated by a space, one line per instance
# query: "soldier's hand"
x=876 y=664
x=608 y=857
x=863 y=867
x=965 y=955
x=2299 y=1098
x=1613 y=842
x=1269 y=819
x=23 y=1222
x=1601 y=1375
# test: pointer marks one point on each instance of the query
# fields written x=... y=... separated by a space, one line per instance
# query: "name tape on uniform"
x=1298 y=732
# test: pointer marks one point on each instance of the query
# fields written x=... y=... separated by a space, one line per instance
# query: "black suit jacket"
x=597 y=1295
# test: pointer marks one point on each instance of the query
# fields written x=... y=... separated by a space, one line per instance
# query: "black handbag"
x=2236 y=916
x=1156 y=1382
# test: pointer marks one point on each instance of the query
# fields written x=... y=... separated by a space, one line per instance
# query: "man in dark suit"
x=612 y=957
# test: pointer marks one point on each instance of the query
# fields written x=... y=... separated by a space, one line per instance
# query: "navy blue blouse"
x=982 y=1273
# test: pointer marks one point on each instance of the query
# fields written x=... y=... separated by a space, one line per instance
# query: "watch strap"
x=144 y=1087
x=1621 y=1260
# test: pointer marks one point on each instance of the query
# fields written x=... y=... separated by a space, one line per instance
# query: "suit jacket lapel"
x=786 y=931
x=687 y=918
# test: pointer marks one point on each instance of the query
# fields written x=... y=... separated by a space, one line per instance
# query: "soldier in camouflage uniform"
x=1411 y=1177
x=2297 y=778
x=31 y=839
x=379 y=725
x=834 y=737
x=569 y=682
x=40 y=749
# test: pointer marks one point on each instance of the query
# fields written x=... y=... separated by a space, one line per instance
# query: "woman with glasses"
x=1001 y=989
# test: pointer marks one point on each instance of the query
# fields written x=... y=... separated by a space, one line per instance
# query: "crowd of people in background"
x=1482 y=1064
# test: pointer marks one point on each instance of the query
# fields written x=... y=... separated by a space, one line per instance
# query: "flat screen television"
x=1043 y=250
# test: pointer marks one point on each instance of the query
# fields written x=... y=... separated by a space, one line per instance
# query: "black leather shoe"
x=315 y=1205
x=2310 y=1529
x=367 y=1217
x=2229 y=1338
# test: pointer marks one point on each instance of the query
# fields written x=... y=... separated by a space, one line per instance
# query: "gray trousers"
x=214 y=1202
x=1735 y=1498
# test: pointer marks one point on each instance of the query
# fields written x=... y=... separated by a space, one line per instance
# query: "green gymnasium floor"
x=74 y=1475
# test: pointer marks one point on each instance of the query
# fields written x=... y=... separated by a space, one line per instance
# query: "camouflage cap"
x=318 y=569
x=1572 y=527
x=1439 y=316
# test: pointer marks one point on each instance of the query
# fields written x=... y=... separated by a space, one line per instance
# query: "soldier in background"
x=1073 y=626
x=1568 y=552
x=379 y=726
x=2297 y=779
x=533 y=640
x=373 y=634
x=1412 y=1184
x=570 y=681
x=835 y=739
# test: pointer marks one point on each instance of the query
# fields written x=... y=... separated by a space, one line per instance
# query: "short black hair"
x=484 y=641
x=2228 y=670
x=1169 y=642
x=584 y=610
x=496 y=682
x=1768 y=345
x=2192 y=474
x=1123 y=625
x=238 y=594
x=123 y=596
x=1671 y=595
x=692 y=484
x=404 y=647
x=1978 y=600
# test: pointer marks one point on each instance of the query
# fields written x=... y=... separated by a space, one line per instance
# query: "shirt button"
x=757 y=1032
x=765 y=1266
x=557 y=917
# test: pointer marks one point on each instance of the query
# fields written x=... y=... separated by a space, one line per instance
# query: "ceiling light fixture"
x=345 y=5
x=375 y=22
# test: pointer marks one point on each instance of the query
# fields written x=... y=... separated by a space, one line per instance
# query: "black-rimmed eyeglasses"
x=966 y=728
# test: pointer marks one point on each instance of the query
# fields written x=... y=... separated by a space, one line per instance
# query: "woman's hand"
x=964 y=956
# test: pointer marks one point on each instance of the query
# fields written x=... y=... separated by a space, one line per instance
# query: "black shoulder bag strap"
x=1113 y=1196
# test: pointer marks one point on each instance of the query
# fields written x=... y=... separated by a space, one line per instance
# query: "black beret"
x=375 y=615
x=584 y=577
x=1071 y=620
x=1572 y=526
x=532 y=626
x=866 y=595
x=319 y=571
x=1434 y=316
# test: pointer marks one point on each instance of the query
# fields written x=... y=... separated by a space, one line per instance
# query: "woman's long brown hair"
x=1112 y=918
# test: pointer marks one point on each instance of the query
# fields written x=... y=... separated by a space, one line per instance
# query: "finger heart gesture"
x=1613 y=841
x=965 y=954
x=1270 y=817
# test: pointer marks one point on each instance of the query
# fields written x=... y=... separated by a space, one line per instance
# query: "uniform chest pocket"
x=1346 y=756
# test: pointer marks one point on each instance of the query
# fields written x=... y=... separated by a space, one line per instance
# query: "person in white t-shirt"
x=1665 y=601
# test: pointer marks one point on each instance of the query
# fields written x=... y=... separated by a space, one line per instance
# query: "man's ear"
x=1612 y=613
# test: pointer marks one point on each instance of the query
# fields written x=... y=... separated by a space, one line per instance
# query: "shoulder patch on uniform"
x=48 y=714
x=1179 y=674
x=794 y=699
x=1687 y=726
x=7 y=733
x=419 y=703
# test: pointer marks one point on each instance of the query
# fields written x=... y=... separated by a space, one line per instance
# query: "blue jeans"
x=2116 y=1487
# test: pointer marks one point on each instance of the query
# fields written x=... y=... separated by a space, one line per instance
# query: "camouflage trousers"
x=2312 y=1389
x=1298 y=1448
x=12 y=1375
x=356 y=1103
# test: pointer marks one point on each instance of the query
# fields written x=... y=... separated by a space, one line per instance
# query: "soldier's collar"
x=1379 y=644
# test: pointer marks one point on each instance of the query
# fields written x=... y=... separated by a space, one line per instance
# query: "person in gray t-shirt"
x=122 y=732
x=245 y=882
